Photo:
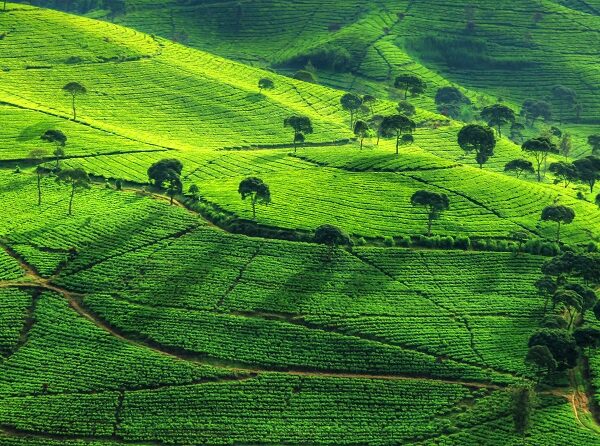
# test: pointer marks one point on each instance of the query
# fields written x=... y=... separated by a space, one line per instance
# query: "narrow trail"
x=35 y=281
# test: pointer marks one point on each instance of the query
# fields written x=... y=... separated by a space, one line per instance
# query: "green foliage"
x=478 y=139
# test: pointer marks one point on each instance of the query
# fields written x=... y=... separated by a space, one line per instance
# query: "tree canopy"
x=559 y=214
x=410 y=84
x=519 y=167
x=434 y=202
x=479 y=139
x=540 y=148
x=161 y=171
x=256 y=190
x=397 y=125
x=302 y=125
x=498 y=115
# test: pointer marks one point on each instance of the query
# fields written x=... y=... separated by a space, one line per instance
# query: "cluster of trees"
x=585 y=170
x=568 y=286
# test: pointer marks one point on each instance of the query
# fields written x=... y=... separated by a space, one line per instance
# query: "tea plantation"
x=198 y=248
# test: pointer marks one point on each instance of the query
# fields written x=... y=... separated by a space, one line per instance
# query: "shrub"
x=389 y=241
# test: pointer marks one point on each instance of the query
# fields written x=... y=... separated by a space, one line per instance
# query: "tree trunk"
x=172 y=195
x=71 y=200
x=39 y=188
x=397 y=143
x=74 y=110
x=254 y=207
x=361 y=142
x=406 y=94
x=378 y=137
x=558 y=233
x=429 y=223
x=351 y=119
x=295 y=135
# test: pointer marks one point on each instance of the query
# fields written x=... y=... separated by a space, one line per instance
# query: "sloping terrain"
x=133 y=321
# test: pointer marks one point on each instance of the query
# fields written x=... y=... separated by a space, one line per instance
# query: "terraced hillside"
x=139 y=321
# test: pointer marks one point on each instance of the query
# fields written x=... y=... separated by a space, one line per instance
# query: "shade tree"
x=397 y=126
x=560 y=215
x=561 y=344
x=479 y=139
x=540 y=358
x=519 y=167
x=409 y=83
x=256 y=191
x=74 y=89
x=434 y=203
x=351 y=103
x=406 y=108
x=498 y=115
x=532 y=110
x=76 y=179
x=332 y=236
x=361 y=131
x=369 y=100
x=265 y=83
x=587 y=337
x=164 y=171
x=37 y=156
x=566 y=98
x=570 y=300
x=540 y=148
x=588 y=170
x=594 y=142
x=59 y=139
x=301 y=125
x=563 y=172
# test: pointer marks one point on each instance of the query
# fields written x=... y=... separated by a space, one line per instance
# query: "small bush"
x=389 y=241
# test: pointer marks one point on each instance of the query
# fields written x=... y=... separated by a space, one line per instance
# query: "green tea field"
x=299 y=223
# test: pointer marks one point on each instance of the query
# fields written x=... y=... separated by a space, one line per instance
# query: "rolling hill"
x=139 y=321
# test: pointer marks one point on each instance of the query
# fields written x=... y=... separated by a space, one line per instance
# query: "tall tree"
x=369 y=100
x=75 y=178
x=540 y=357
x=174 y=185
x=566 y=145
x=563 y=173
x=498 y=115
x=406 y=108
x=164 y=170
x=302 y=125
x=519 y=167
x=560 y=343
x=479 y=139
x=257 y=191
x=397 y=125
x=571 y=301
x=410 y=83
x=37 y=156
x=540 y=148
x=450 y=100
x=533 y=109
x=566 y=98
x=433 y=202
x=331 y=236
x=59 y=139
x=560 y=215
x=361 y=130
x=594 y=143
x=588 y=170
x=351 y=103
x=75 y=89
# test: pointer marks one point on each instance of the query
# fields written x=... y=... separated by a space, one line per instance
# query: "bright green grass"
x=14 y=305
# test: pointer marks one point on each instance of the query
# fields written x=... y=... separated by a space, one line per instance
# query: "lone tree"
x=433 y=202
x=566 y=145
x=76 y=179
x=369 y=100
x=59 y=139
x=479 y=139
x=566 y=98
x=406 y=108
x=498 y=115
x=540 y=148
x=194 y=192
x=410 y=83
x=594 y=143
x=37 y=156
x=559 y=214
x=519 y=167
x=351 y=103
x=563 y=173
x=164 y=170
x=532 y=110
x=257 y=191
x=331 y=236
x=540 y=358
x=450 y=100
x=74 y=89
x=361 y=130
x=302 y=125
x=397 y=125
x=588 y=170
x=265 y=84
